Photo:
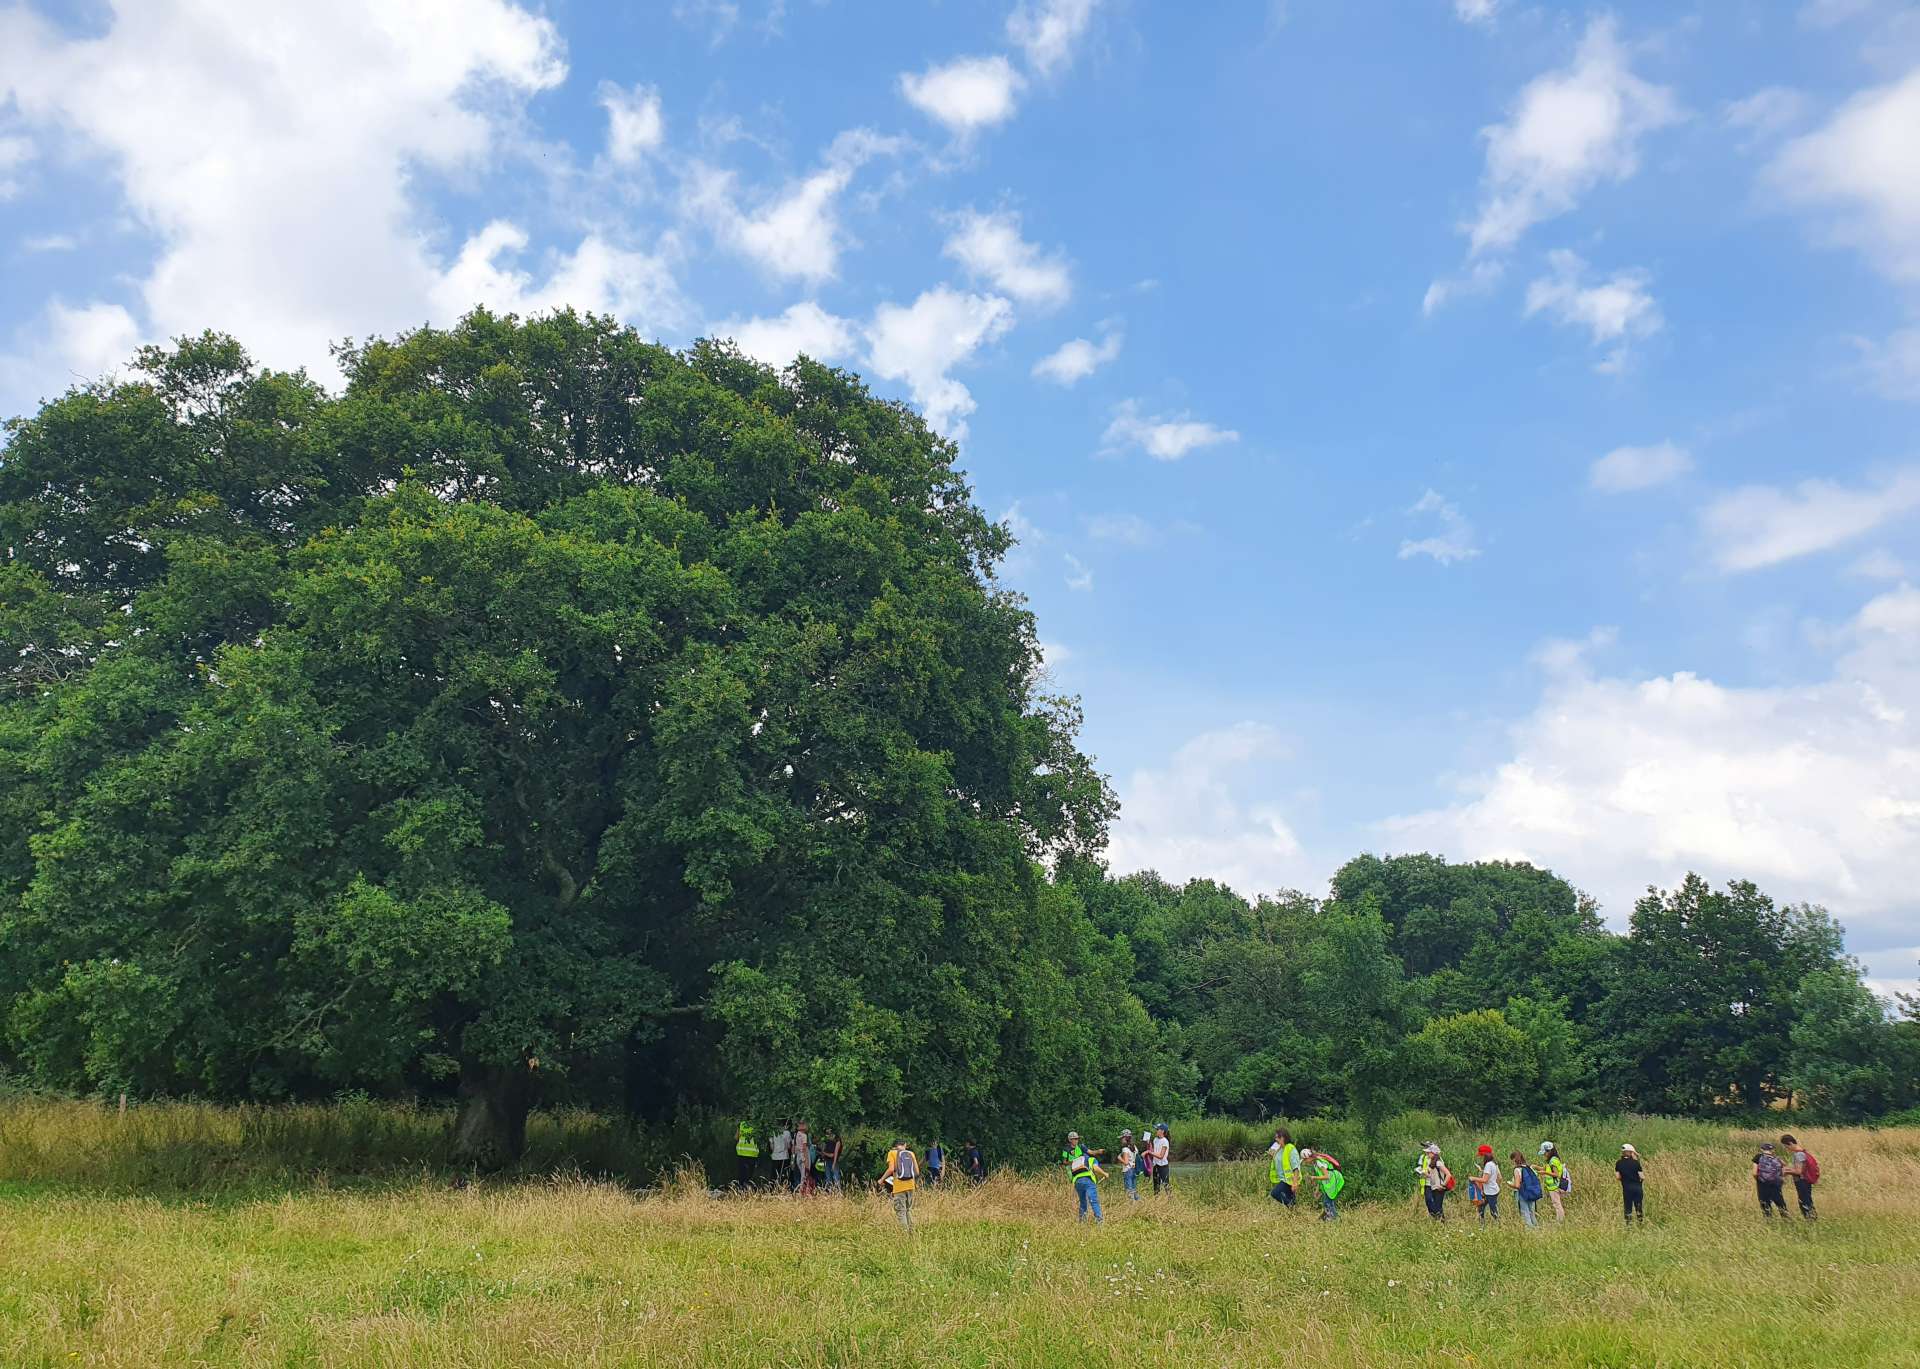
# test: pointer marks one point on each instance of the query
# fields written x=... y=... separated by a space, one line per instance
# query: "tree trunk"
x=491 y=1129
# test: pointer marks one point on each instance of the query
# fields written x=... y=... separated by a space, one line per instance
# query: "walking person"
x=1632 y=1175
x=936 y=1162
x=1486 y=1186
x=1084 y=1170
x=1162 y=1159
x=1283 y=1169
x=1805 y=1170
x=782 y=1154
x=903 y=1169
x=974 y=1163
x=746 y=1153
x=830 y=1148
x=1129 y=1169
x=1527 y=1188
x=1768 y=1177
x=1557 y=1179
x=1437 y=1179
x=802 y=1180
x=1324 y=1170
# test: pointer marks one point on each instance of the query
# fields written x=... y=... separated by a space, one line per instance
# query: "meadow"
x=158 y=1237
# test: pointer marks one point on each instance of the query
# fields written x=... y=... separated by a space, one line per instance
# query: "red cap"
x=1486 y=1150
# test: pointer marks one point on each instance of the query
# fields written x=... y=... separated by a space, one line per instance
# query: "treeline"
x=549 y=717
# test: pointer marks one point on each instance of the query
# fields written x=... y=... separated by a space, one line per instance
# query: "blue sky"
x=1466 y=425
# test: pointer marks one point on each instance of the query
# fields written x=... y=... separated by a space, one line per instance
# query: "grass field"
x=567 y=1272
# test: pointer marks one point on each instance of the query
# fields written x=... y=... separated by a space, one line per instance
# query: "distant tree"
x=1475 y=1065
x=1845 y=1060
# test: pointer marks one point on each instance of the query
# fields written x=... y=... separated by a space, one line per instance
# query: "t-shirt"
x=1126 y=1157
x=1436 y=1172
x=936 y=1157
x=1628 y=1168
x=782 y=1144
x=1490 y=1185
x=800 y=1142
x=1160 y=1148
x=1287 y=1159
x=1799 y=1164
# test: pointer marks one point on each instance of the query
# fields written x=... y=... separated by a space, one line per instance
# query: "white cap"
x=1545 y=1146
x=1628 y=1145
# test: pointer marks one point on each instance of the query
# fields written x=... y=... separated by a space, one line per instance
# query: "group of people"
x=1151 y=1161
x=797 y=1161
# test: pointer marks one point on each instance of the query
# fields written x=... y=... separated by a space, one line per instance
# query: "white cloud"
x=717 y=17
x=595 y=276
x=1893 y=367
x=1569 y=130
x=797 y=233
x=1861 y=173
x=1617 y=311
x=1053 y=655
x=1475 y=11
x=1763 y=525
x=1454 y=541
x=921 y=342
x=1193 y=817
x=803 y=328
x=50 y=242
x=1811 y=790
x=1078 y=576
x=1765 y=114
x=1072 y=362
x=65 y=346
x=1162 y=437
x=1477 y=279
x=15 y=153
x=967 y=94
x=990 y=247
x=1879 y=565
x=276 y=163
x=635 y=125
x=1128 y=529
x=1625 y=469
x=1047 y=31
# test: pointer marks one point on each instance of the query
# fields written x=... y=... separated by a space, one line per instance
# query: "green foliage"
x=1474 y=1064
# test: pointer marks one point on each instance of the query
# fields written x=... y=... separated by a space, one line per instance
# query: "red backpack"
x=1810 y=1171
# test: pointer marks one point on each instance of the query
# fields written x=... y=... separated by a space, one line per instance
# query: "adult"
x=1805 y=1170
x=746 y=1154
x=801 y=1177
x=1283 y=1169
x=830 y=1148
x=1435 y=1179
x=903 y=1171
x=1084 y=1170
x=1527 y=1188
x=1129 y=1175
x=936 y=1162
x=1769 y=1175
x=1324 y=1170
x=974 y=1162
x=782 y=1152
x=1554 y=1170
x=1162 y=1158
x=1486 y=1186
x=1632 y=1175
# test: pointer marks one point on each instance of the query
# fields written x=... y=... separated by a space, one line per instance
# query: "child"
x=1769 y=1176
x=1128 y=1165
x=1632 y=1175
x=1486 y=1185
x=1436 y=1177
x=1527 y=1187
x=1557 y=1181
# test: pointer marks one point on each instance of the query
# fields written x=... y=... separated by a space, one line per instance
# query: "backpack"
x=1530 y=1188
x=906 y=1167
x=1767 y=1168
x=1810 y=1171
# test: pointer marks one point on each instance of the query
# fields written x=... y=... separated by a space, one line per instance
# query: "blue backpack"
x=1530 y=1188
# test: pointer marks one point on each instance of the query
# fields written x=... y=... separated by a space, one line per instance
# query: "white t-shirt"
x=1492 y=1185
x=1126 y=1157
x=800 y=1145
x=1160 y=1149
x=782 y=1144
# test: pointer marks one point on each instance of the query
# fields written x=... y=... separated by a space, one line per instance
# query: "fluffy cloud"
x=1812 y=790
x=1615 y=312
x=1047 y=32
x=991 y=248
x=274 y=162
x=803 y=329
x=1454 y=541
x=1072 y=362
x=65 y=346
x=1569 y=130
x=1763 y=525
x=1194 y=817
x=1475 y=11
x=1625 y=469
x=1079 y=577
x=635 y=125
x=967 y=94
x=595 y=276
x=795 y=234
x=1765 y=114
x=1477 y=279
x=1860 y=172
x=1164 y=438
x=922 y=342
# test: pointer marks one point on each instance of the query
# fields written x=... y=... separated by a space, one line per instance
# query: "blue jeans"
x=1089 y=1198
x=1491 y=1208
x=832 y=1176
x=1132 y=1181
x=1526 y=1211
x=1328 y=1211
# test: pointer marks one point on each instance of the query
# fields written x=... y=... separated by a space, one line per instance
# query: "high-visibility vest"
x=1079 y=1163
x=743 y=1143
x=1556 y=1173
x=1284 y=1165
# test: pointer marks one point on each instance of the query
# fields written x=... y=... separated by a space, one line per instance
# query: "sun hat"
x=1486 y=1150
x=1432 y=1148
x=1628 y=1145
x=1545 y=1146
x=1073 y=1136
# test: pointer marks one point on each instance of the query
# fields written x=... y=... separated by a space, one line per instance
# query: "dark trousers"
x=1282 y=1193
x=744 y=1174
x=1162 y=1176
x=1437 y=1204
x=1770 y=1197
x=1804 y=1191
x=1633 y=1201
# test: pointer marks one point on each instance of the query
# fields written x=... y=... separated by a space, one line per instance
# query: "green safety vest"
x=743 y=1143
x=1078 y=1162
x=1284 y=1165
x=1556 y=1171
x=1330 y=1179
